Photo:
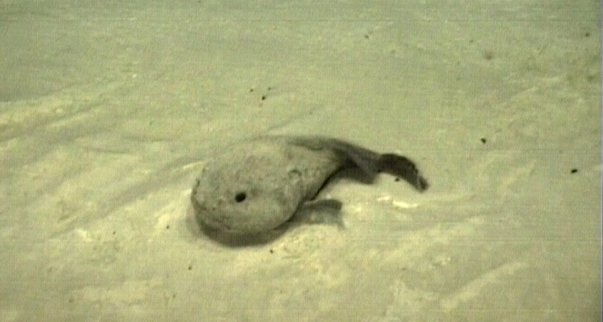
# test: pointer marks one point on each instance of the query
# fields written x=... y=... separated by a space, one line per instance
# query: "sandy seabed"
x=108 y=111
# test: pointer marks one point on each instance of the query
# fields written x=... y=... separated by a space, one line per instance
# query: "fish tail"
x=403 y=168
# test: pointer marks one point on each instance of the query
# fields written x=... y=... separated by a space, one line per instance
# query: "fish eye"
x=240 y=196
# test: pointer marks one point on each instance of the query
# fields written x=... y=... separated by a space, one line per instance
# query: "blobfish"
x=257 y=185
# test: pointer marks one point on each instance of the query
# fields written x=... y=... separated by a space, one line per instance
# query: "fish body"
x=257 y=185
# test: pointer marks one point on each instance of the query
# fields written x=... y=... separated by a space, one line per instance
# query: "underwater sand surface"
x=108 y=110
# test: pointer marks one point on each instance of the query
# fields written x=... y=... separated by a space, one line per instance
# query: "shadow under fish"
x=256 y=186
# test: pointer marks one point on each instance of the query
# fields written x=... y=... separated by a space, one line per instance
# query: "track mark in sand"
x=118 y=294
x=398 y=204
x=514 y=176
x=172 y=213
x=473 y=289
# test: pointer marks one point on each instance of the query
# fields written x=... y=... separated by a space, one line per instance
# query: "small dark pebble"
x=488 y=54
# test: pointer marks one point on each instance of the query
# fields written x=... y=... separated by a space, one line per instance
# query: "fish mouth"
x=205 y=217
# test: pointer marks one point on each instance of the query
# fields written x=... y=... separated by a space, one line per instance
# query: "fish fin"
x=328 y=204
x=320 y=211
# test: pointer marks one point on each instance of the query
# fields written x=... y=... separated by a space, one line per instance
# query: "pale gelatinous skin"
x=257 y=185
